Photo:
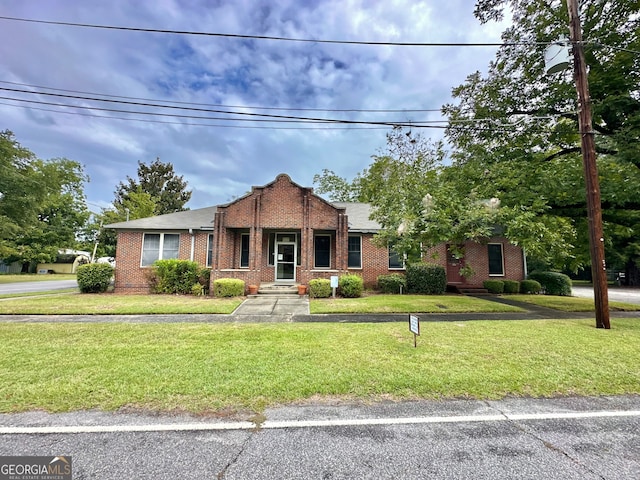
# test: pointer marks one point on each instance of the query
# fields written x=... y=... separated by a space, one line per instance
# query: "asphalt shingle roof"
x=202 y=219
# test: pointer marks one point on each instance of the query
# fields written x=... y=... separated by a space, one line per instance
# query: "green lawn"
x=109 y=303
x=214 y=367
x=25 y=277
x=571 y=304
x=409 y=304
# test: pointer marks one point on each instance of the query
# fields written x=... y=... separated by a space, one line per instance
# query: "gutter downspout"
x=193 y=243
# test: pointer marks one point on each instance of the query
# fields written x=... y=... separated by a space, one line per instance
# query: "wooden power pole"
x=594 y=208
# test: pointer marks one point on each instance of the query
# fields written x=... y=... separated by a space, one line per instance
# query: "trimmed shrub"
x=530 y=286
x=553 y=283
x=511 y=286
x=175 y=276
x=494 y=286
x=351 y=286
x=392 y=283
x=426 y=278
x=204 y=279
x=228 y=287
x=320 y=288
x=94 y=277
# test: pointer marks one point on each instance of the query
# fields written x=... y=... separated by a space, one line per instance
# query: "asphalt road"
x=618 y=294
x=41 y=286
x=567 y=438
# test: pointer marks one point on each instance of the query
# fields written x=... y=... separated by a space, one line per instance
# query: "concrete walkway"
x=272 y=308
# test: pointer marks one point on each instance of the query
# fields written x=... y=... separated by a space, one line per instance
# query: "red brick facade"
x=271 y=235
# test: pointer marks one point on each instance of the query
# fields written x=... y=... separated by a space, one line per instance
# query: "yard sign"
x=414 y=327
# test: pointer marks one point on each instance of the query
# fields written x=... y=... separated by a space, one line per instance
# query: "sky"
x=221 y=158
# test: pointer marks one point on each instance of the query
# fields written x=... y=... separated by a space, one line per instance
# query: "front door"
x=454 y=263
x=285 y=259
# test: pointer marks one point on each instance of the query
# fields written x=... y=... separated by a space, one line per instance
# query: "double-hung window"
x=396 y=261
x=159 y=246
x=496 y=259
x=210 y=250
x=244 y=250
x=354 y=251
x=322 y=251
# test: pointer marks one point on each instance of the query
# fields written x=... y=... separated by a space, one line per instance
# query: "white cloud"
x=220 y=163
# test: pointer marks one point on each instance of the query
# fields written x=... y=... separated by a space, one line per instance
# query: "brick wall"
x=130 y=277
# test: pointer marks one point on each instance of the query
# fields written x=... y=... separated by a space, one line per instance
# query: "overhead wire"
x=268 y=37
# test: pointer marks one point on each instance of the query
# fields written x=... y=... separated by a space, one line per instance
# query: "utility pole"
x=594 y=208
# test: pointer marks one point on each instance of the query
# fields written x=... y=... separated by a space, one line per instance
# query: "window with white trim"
x=322 y=251
x=210 y=250
x=354 y=251
x=159 y=246
x=496 y=259
x=244 y=250
x=396 y=261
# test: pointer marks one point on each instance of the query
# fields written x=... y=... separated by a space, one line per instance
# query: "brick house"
x=285 y=234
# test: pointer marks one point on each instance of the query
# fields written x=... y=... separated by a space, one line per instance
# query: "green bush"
x=94 y=277
x=320 y=288
x=553 y=283
x=175 y=276
x=351 y=286
x=426 y=278
x=228 y=287
x=494 y=286
x=392 y=283
x=530 y=286
x=204 y=279
x=511 y=286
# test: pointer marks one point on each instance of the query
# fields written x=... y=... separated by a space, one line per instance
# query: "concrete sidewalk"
x=290 y=308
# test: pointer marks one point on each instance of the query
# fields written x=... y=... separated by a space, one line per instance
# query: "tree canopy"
x=42 y=203
x=515 y=130
x=159 y=180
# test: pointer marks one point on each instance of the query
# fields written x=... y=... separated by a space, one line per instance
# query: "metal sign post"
x=414 y=327
x=334 y=284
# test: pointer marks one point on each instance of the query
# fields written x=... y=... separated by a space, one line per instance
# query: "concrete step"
x=277 y=289
x=473 y=291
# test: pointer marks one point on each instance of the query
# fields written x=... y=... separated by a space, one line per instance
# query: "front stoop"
x=278 y=289
x=473 y=291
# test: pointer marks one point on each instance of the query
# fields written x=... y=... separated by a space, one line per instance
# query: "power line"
x=191 y=124
x=262 y=37
x=174 y=107
x=457 y=124
x=347 y=110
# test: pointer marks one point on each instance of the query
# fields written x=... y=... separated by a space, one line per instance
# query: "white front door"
x=285 y=261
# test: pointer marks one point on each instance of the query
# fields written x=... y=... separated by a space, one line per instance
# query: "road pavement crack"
x=258 y=420
x=551 y=446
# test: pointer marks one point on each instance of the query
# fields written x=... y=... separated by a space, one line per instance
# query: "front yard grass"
x=208 y=368
x=571 y=304
x=409 y=304
x=109 y=303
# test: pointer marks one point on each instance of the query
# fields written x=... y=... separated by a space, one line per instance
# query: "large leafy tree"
x=156 y=191
x=515 y=130
x=419 y=202
x=159 y=181
x=42 y=203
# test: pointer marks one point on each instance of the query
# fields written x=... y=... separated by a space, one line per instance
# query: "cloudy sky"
x=222 y=155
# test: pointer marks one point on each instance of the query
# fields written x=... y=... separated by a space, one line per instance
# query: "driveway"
x=617 y=294
x=42 y=286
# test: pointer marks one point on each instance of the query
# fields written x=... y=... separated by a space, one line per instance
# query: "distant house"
x=67 y=261
x=283 y=233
